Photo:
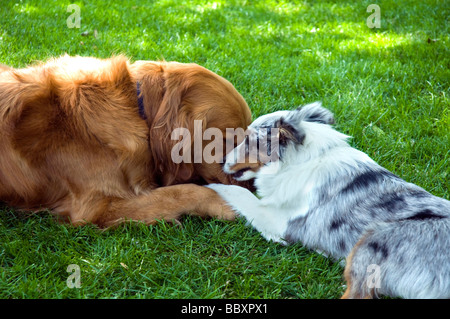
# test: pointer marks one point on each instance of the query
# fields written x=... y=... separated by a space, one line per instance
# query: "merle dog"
x=336 y=200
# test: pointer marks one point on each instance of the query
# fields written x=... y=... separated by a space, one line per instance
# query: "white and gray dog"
x=336 y=200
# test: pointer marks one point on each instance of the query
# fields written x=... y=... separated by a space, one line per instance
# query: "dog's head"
x=178 y=96
x=276 y=138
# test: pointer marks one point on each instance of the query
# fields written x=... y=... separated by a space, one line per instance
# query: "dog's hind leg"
x=357 y=284
x=164 y=203
x=407 y=258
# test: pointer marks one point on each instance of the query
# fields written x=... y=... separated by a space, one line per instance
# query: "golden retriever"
x=72 y=139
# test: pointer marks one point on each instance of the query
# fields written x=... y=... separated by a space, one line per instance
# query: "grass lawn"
x=388 y=87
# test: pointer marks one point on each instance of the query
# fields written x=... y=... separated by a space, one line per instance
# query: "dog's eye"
x=240 y=172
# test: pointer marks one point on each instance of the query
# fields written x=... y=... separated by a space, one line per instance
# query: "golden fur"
x=72 y=139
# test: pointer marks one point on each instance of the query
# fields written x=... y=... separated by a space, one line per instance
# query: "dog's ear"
x=315 y=112
x=152 y=85
x=288 y=133
x=162 y=93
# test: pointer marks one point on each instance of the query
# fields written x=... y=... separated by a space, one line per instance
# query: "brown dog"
x=72 y=138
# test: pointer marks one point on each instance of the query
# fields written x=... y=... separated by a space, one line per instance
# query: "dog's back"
x=20 y=183
x=356 y=198
x=51 y=110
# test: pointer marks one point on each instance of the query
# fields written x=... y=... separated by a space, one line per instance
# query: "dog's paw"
x=226 y=212
x=227 y=192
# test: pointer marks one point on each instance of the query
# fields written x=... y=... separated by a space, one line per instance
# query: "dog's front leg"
x=164 y=203
x=238 y=198
x=262 y=217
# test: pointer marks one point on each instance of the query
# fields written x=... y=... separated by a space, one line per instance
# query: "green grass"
x=388 y=88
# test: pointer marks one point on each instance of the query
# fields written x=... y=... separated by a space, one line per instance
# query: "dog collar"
x=140 y=101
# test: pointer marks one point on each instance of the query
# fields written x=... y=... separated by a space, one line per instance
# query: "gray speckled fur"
x=351 y=203
x=413 y=259
x=336 y=200
x=406 y=232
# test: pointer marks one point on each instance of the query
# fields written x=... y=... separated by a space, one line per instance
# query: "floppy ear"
x=152 y=85
x=162 y=102
x=315 y=112
x=288 y=133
